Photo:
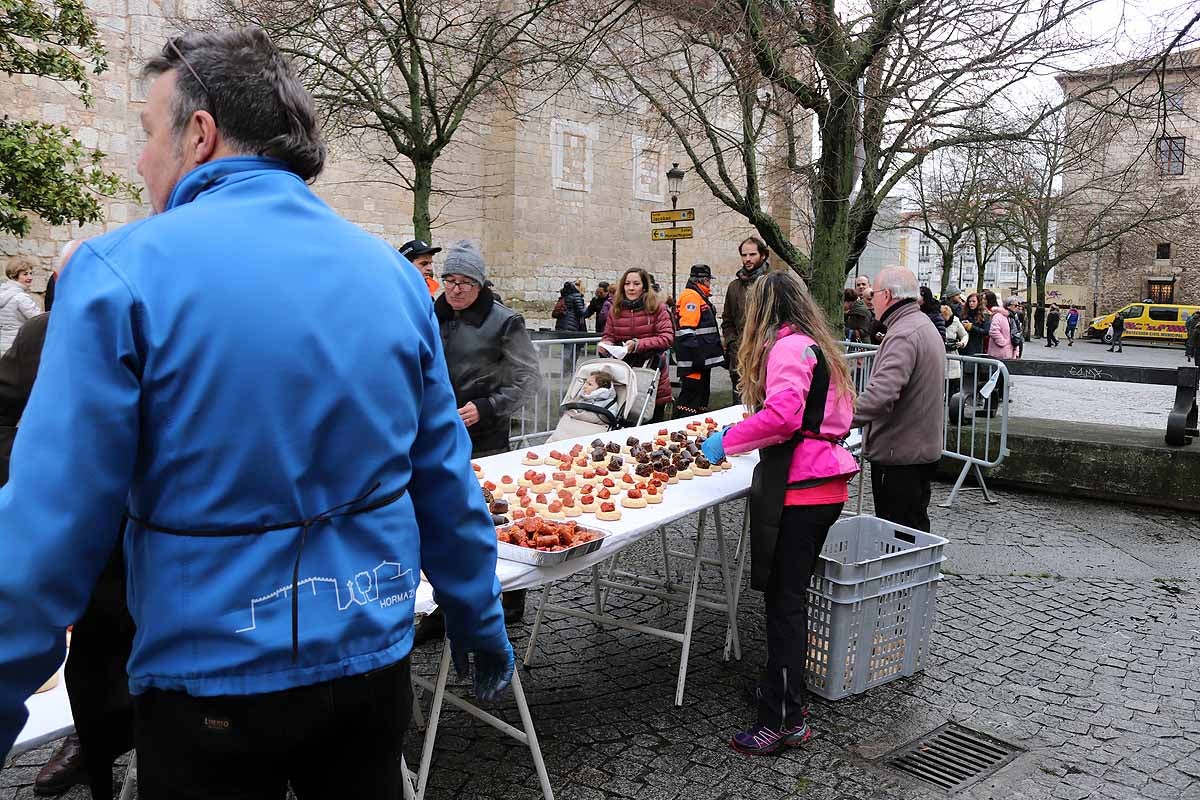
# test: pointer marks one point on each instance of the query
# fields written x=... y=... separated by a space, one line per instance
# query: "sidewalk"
x=1069 y=628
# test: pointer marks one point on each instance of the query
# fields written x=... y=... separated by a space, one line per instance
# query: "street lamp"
x=674 y=185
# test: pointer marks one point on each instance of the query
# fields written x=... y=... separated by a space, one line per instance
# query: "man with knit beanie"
x=494 y=370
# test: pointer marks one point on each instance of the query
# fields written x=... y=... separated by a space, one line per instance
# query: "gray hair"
x=241 y=79
x=899 y=281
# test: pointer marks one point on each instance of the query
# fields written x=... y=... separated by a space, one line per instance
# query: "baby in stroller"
x=597 y=391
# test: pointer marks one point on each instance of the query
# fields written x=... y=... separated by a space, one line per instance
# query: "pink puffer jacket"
x=999 y=337
x=789 y=375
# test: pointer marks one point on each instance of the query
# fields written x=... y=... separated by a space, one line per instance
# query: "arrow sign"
x=667 y=234
x=674 y=215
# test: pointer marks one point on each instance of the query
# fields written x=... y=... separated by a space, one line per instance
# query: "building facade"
x=1158 y=136
x=559 y=194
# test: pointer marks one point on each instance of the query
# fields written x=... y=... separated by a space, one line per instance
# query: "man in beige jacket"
x=901 y=408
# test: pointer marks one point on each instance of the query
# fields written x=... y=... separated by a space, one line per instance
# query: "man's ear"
x=203 y=138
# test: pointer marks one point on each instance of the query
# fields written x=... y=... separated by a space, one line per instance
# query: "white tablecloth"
x=680 y=500
x=49 y=718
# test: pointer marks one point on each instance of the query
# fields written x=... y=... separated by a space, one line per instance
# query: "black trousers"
x=694 y=394
x=802 y=532
x=1051 y=339
x=901 y=493
x=97 y=685
x=338 y=739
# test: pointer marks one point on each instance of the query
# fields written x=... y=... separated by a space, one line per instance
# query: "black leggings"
x=802 y=532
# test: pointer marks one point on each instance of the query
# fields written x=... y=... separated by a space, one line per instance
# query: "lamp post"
x=674 y=183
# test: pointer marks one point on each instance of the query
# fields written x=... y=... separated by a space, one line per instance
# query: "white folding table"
x=701 y=494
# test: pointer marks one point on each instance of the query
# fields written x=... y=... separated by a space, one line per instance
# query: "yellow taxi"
x=1146 y=321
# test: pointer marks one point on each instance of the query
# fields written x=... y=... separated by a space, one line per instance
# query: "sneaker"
x=763 y=740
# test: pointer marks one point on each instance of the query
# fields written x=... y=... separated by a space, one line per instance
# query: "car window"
x=1131 y=312
x=1164 y=314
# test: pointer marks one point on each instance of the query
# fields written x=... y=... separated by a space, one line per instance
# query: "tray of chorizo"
x=545 y=542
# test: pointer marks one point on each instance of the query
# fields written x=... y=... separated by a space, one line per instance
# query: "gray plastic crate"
x=865 y=633
x=862 y=547
x=867 y=556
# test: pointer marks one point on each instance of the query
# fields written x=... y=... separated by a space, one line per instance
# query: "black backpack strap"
x=818 y=393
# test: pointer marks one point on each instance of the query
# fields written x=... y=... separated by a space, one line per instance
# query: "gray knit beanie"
x=463 y=258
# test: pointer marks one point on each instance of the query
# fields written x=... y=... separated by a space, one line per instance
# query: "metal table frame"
x=603 y=580
x=526 y=735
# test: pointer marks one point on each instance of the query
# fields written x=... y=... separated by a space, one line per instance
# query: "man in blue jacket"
x=259 y=384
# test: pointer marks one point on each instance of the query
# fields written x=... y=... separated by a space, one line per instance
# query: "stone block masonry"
x=562 y=193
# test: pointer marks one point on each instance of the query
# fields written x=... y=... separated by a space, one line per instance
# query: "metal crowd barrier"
x=558 y=357
x=974 y=406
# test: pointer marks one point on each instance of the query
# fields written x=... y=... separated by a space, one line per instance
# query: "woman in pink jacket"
x=799 y=389
x=999 y=337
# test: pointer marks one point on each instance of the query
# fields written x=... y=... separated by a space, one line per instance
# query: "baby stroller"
x=636 y=388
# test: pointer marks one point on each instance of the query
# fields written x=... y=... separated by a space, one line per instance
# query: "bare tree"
x=399 y=79
x=956 y=192
x=886 y=83
x=1085 y=179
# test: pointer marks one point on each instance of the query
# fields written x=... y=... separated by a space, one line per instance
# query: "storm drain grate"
x=952 y=757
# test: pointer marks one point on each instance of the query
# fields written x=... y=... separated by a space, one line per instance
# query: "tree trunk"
x=422 y=188
x=947 y=266
x=831 y=205
x=980 y=263
x=1042 y=270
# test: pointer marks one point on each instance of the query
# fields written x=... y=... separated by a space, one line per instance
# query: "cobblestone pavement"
x=1070 y=628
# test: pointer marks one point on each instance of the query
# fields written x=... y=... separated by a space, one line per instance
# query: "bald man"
x=900 y=410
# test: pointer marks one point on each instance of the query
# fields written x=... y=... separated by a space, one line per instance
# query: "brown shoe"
x=64 y=769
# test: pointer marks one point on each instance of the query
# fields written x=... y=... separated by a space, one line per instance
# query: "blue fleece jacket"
x=246 y=357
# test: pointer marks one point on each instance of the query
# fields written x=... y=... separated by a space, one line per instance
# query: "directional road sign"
x=674 y=215
x=667 y=234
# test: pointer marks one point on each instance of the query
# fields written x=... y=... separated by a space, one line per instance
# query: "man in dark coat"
x=596 y=306
x=753 y=252
x=1052 y=320
x=697 y=342
x=493 y=370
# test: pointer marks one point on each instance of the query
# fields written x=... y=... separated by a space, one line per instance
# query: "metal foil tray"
x=541 y=558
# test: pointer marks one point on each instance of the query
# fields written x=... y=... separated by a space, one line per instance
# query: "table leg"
x=597 y=601
x=130 y=778
x=666 y=555
x=526 y=736
x=435 y=712
x=732 y=639
x=731 y=632
x=406 y=776
x=537 y=624
x=535 y=749
x=612 y=569
x=691 y=609
x=418 y=716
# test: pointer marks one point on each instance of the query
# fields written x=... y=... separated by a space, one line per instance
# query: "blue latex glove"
x=713 y=447
x=493 y=669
